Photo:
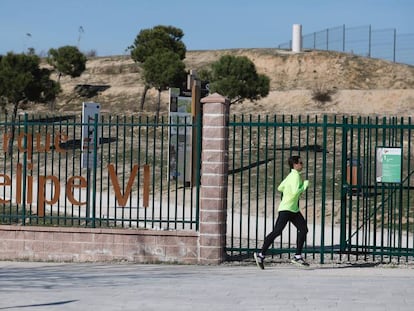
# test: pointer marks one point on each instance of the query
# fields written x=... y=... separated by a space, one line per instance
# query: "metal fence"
x=364 y=41
x=43 y=182
x=349 y=212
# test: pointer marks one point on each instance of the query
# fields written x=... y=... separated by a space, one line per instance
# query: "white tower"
x=297 y=38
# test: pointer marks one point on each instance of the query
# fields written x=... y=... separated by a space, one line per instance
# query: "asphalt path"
x=92 y=286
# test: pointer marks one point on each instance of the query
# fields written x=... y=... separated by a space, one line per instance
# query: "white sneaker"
x=259 y=260
x=299 y=261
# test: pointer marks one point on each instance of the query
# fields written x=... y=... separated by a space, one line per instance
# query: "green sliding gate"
x=377 y=194
x=352 y=212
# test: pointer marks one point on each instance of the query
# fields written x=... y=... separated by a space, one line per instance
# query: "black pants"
x=297 y=220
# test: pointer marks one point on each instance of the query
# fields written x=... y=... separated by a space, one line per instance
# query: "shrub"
x=322 y=94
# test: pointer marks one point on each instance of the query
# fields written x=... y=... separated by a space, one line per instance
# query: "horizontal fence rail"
x=129 y=183
x=348 y=213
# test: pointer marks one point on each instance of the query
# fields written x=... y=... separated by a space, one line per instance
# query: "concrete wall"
x=207 y=246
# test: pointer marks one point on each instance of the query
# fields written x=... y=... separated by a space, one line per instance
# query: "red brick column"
x=214 y=170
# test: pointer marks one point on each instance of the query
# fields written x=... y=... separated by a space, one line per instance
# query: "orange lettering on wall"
x=58 y=139
x=4 y=181
x=28 y=149
x=39 y=147
x=122 y=199
x=6 y=139
x=19 y=177
x=19 y=183
x=27 y=142
x=42 y=196
x=70 y=185
x=146 y=185
x=29 y=198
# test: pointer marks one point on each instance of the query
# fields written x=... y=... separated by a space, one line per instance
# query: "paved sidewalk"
x=51 y=286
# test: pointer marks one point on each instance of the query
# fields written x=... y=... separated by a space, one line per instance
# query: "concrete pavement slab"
x=72 y=286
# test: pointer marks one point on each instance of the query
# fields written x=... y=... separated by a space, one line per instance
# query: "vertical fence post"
x=395 y=45
x=314 y=40
x=323 y=196
x=96 y=143
x=369 y=41
x=214 y=176
x=345 y=187
x=343 y=38
x=327 y=39
x=25 y=164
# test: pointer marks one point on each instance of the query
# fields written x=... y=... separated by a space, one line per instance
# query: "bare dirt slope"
x=361 y=86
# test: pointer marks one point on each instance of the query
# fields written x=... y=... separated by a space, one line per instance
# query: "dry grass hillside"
x=360 y=86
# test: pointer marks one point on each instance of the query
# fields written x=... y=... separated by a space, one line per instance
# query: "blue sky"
x=110 y=26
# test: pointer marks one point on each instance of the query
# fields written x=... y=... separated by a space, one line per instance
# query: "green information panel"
x=388 y=165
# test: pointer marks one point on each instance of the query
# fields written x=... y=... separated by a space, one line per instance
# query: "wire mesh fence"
x=365 y=41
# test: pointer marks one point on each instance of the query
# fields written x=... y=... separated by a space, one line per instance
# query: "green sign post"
x=388 y=165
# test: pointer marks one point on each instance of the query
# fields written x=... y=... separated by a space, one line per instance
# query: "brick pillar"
x=214 y=171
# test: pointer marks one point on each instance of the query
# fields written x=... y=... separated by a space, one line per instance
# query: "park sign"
x=388 y=164
x=90 y=116
x=180 y=137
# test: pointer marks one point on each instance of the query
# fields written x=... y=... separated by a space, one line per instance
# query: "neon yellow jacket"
x=292 y=187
